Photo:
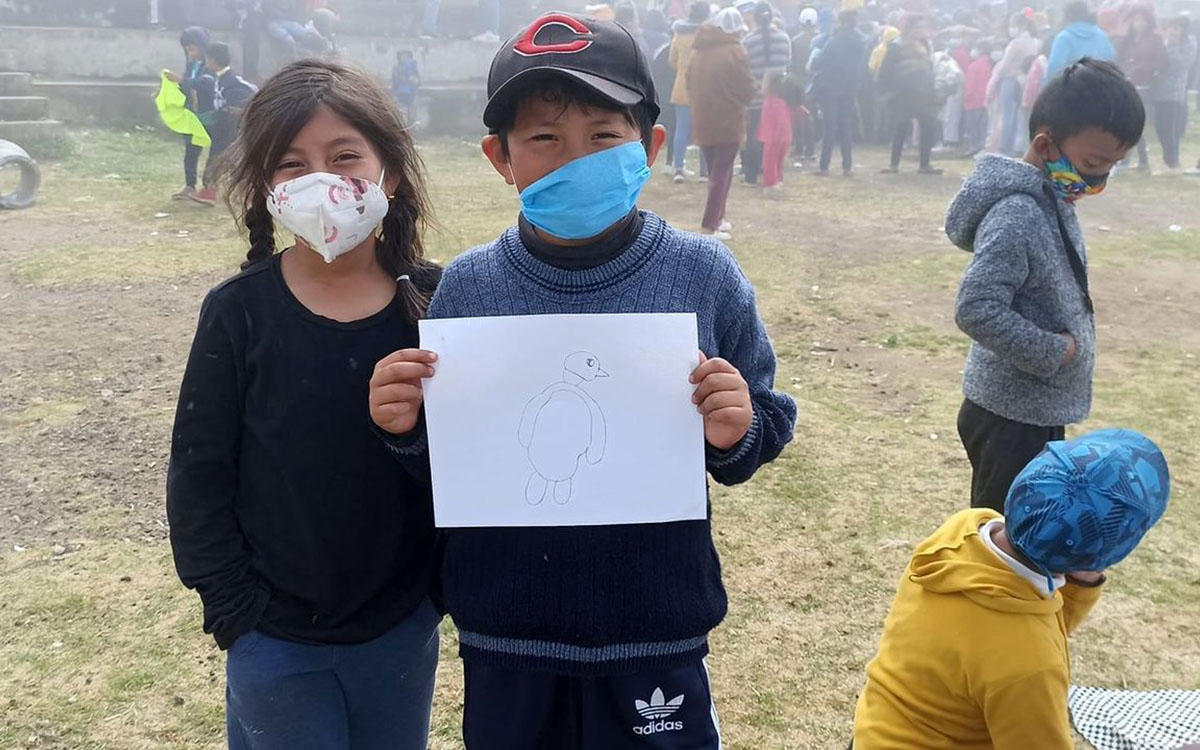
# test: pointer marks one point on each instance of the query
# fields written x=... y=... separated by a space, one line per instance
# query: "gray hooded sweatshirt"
x=1018 y=294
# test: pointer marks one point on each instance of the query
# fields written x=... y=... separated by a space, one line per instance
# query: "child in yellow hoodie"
x=974 y=653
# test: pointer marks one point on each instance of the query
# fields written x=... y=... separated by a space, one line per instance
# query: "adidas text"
x=655 y=727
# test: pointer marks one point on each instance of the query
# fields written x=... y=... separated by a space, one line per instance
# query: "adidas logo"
x=658 y=709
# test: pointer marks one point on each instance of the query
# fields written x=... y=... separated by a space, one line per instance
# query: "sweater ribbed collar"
x=559 y=282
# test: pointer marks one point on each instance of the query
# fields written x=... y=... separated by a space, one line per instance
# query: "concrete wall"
x=82 y=53
x=455 y=111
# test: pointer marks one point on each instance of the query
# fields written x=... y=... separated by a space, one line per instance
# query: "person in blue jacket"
x=1080 y=38
x=198 y=85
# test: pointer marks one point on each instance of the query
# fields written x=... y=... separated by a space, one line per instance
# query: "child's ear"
x=493 y=149
x=390 y=185
x=657 y=138
x=1043 y=145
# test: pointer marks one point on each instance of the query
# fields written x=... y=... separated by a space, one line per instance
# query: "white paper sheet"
x=564 y=420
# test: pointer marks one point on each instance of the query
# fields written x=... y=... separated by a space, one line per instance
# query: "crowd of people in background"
x=770 y=85
x=953 y=85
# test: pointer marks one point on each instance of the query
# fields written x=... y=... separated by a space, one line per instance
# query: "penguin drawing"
x=559 y=426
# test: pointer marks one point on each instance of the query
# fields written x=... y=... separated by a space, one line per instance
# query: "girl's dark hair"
x=1089 y=94
x=271 y=121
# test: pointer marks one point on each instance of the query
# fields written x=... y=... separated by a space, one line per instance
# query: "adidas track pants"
x=666 y=709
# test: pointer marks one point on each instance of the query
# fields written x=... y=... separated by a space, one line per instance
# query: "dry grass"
x=100 y=646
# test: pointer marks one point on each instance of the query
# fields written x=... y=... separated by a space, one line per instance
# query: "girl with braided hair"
x=311 y=548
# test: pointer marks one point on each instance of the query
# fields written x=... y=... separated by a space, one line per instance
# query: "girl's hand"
x=395 y=393
x=723 y=397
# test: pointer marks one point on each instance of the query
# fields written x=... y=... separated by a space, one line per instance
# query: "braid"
x=398 y=252
x=261 y=227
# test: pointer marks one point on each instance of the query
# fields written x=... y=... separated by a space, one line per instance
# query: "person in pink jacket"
x=775 y=131
x=975 y=113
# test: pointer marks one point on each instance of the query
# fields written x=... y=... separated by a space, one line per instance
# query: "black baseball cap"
x=601 y=55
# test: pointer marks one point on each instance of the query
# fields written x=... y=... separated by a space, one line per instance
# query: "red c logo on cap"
x=527 y=47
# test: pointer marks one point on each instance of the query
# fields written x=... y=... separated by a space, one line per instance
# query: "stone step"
x=24 y=108
x=8 y=59
x=15 y=84
x=24 y=132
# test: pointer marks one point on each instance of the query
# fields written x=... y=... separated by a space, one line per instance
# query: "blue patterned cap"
x=1084 y=504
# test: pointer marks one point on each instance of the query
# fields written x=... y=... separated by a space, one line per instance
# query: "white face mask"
x=332 y=213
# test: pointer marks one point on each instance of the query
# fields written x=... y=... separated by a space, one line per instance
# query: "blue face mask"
x=584 y=197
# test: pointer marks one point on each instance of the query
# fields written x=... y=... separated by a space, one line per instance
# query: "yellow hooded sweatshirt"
x=972 y=657
x=889 y=35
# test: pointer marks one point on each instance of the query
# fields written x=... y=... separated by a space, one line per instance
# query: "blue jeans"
x=1009 y=92
x=282 y=695
x=683 y=134
x=975 y=128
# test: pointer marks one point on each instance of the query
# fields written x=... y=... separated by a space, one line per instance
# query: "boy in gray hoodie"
x=1024 y=298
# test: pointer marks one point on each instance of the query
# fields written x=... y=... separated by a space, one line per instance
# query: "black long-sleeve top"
x=287 y=514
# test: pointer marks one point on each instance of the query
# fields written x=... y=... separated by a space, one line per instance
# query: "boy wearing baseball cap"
x=974 y=653
x=593 y=636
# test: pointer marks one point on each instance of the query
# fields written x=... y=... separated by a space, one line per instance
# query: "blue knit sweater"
x=607 y=599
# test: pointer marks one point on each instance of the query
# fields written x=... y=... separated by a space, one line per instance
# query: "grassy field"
x=100 y=283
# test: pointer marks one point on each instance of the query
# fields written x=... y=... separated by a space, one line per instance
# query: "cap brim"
x=502 y=100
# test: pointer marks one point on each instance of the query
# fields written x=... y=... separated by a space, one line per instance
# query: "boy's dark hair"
x=1183 y=23
x=1089 y=94
x=1076 y=12
x=219 y=53
x=848 y=19
x=699 y=11
x=565 y=93
x=402 y=54
x=284 y=105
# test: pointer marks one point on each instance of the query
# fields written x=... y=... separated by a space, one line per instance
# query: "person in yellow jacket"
x=974 y=653
x=680 y=58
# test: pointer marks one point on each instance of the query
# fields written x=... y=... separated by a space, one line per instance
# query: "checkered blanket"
x=1127 y=720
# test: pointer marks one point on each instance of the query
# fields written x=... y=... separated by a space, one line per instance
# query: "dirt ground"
x=100 y=284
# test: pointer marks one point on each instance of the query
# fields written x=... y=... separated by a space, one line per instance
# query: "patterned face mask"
x=332 y=213
x=1070 y=183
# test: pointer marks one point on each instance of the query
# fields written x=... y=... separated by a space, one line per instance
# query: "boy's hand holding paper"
x=723 y=397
